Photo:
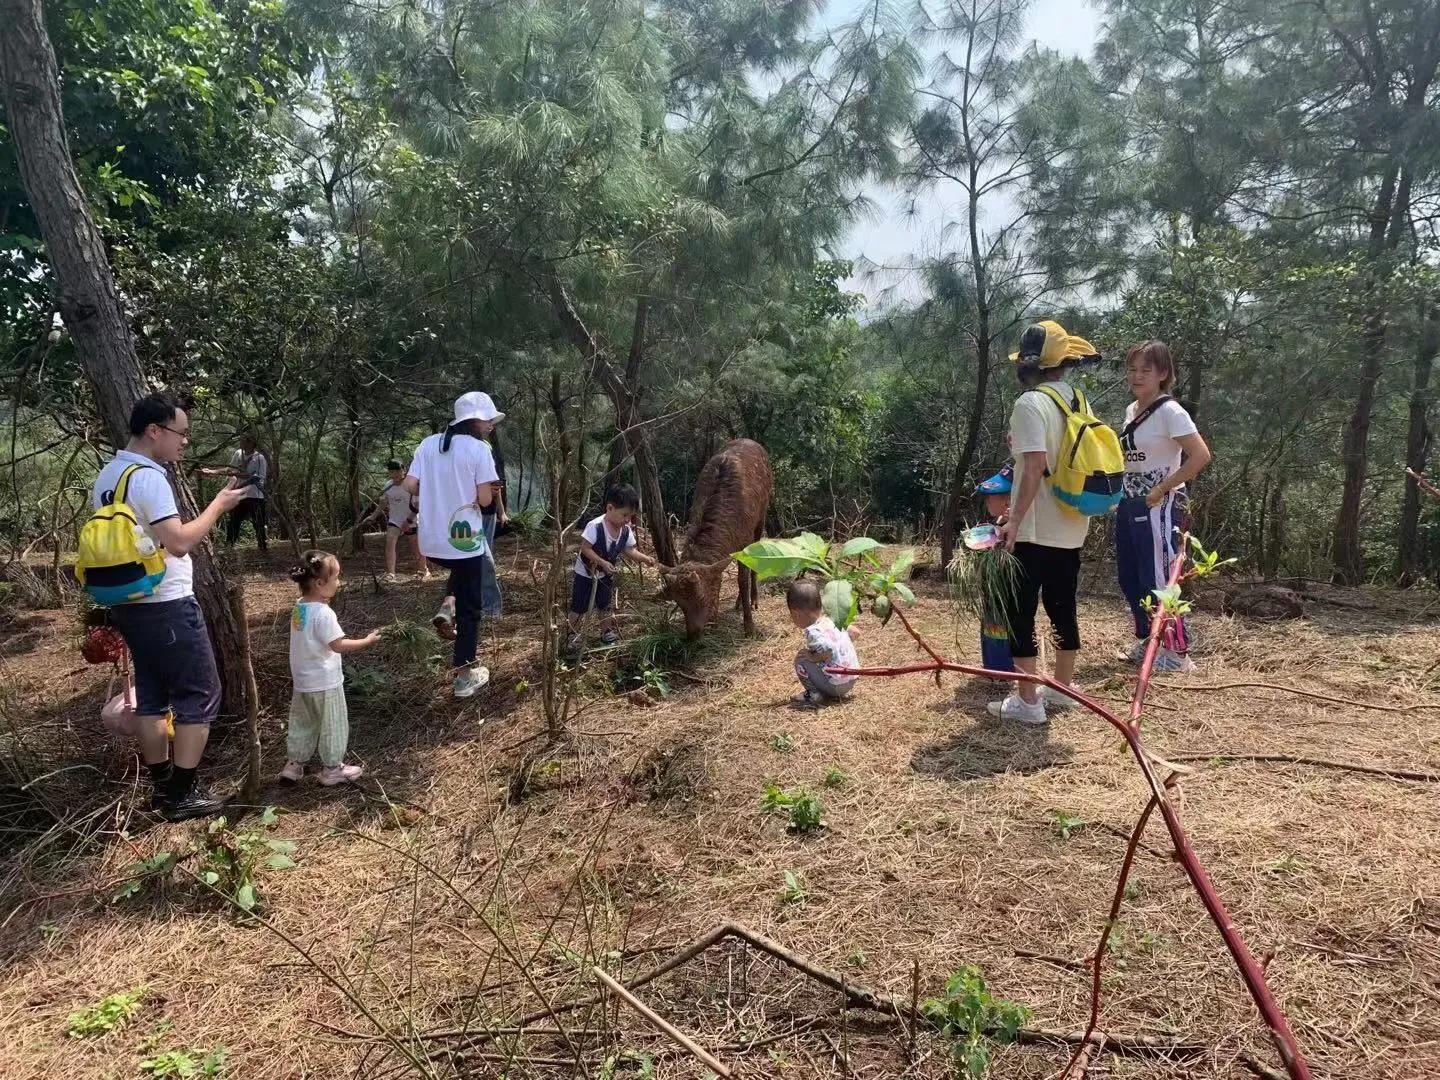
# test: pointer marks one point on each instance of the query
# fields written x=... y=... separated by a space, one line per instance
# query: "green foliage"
x=851 y=572
x=634 y=1062
x=793 y=894
x=803 y=809
x=971 y=1018
x=180 y=1064
x=141 y=871
x=856 y=958
x=231 y=861
x=782 y=742
x=984 y=583
x=1064 y=824
x=105 y=1015
x=834 y=778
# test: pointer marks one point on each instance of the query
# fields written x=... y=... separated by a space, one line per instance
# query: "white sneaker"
x=1018 y=709
x=1136 y=653
x=1173 y=663
x=1054 y=700
x=471 y=680
x=389 y=579
x=332 y=775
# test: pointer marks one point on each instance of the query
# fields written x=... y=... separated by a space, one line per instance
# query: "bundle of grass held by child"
x=984 y=582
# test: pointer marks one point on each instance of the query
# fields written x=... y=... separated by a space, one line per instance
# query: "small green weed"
x=105 y=1015
x=966 y=1013
x=1065 y=825
x=1289 y=866
x=782 y=742
x=803 y=809
x=180 y=1064
x=856 y=959
x=643 y=1065
x=834 y=778
x=793 y=894
x=366 y=682
x=1132 y=891
x=141 y=871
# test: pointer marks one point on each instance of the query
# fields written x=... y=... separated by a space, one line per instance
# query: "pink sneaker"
x=293 y=772
x=340 y=774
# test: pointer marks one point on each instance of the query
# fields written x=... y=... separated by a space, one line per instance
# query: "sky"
x=895 y=237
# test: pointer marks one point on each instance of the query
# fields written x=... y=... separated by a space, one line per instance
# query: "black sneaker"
x=195 y=803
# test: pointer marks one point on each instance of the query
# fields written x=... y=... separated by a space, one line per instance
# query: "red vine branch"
x=1251 y=972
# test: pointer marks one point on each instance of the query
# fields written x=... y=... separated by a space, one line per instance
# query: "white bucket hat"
x=476 y=405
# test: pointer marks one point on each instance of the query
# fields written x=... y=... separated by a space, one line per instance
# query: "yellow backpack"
x=118 y=562
x=1089 y=471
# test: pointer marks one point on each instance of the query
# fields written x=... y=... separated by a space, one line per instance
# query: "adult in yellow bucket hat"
x=1043 y=535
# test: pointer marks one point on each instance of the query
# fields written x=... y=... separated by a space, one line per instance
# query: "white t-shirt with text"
x=603 y=540
x=1036 y=423
x=449 y=524
x=1152 y=450
x=314 y=666
x=149 y=494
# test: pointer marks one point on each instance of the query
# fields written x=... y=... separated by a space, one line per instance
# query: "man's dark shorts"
x=174 y=664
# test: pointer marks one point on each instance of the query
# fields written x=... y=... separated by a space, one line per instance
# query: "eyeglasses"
x=176 y=431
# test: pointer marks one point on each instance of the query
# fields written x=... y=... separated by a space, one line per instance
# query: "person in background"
x=397 y=508
x=319 y=717
x=826 y=645
x=1044 y=535
x=453 y=474
x=1163 y=453
x=169 y=646
x=247 y=464
x=603 y=543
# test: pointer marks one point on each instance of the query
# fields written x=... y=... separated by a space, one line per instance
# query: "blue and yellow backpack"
x=118 y=562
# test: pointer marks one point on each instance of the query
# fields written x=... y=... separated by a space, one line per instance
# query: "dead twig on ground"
x=696 y=1050
x=1318 y=763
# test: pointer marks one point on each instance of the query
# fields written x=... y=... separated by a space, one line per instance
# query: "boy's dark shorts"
x=580 y=587
x=174 y=664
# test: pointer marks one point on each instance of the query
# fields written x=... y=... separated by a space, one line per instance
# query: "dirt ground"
x=478 y=874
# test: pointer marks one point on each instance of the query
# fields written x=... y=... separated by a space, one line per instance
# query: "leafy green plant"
x=834 y=778
x=1289 y=866
x=793 y=893
x=856 y=959
x=972 y=1018
x=105 y=1015
x=851 y=572
x=803 y=809
x=1065 y=824
x=142 y=871
x=782 y=742
x=530 y=519
x=366 y=682
x=230 y=860
x=643 y=1065
x=179 y=1064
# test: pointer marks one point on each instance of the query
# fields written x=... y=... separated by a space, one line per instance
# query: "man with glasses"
x=174 y=665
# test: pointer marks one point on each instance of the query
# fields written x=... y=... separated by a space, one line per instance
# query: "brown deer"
x=732 y=496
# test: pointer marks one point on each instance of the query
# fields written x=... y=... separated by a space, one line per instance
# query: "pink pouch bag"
x=118 y=712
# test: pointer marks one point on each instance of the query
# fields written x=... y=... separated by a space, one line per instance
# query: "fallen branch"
x=1319 y=763
x=1297 y=691
x=1424 y=485
x=679 y=1037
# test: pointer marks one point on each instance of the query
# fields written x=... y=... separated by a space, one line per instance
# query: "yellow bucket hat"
x=1048 y=344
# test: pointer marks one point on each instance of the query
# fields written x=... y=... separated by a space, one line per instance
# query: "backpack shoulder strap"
x=1054 y=395
x=1081 y=404
x=1146 y=413
x=122 y=486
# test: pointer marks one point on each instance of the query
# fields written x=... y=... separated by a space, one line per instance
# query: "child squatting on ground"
x=825 y=645
x=318 y=715
x=603 y=543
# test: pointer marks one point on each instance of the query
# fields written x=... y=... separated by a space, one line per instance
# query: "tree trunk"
x=1272 y=552
x=647 y=474
x=352 y=465
x=1417 y=442
x=959 y=482
x=88 y=300
x=1348 y=554
x=560 y=481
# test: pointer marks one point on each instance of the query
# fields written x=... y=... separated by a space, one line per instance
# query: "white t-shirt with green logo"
x=449 y=524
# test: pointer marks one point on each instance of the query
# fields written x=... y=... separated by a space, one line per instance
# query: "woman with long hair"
x=1163 y=453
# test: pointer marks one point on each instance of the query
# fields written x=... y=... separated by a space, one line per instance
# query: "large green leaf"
x=839 y=601
x=779 y=558
x=814 y=546
x=902 y=562
x=858 y=546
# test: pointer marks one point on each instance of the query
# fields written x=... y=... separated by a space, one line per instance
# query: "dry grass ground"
x=478 y=872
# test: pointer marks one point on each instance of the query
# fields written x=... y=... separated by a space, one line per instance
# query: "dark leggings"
x=1050 y=576
x=467 y=585
x=254 y=511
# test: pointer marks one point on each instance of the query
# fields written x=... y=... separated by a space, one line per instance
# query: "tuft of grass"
x=834 y=778
x=1064 y=824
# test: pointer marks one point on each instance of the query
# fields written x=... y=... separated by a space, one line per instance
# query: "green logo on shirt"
x=467 y=533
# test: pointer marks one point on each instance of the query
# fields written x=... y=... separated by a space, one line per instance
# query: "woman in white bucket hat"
x=453 y=473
